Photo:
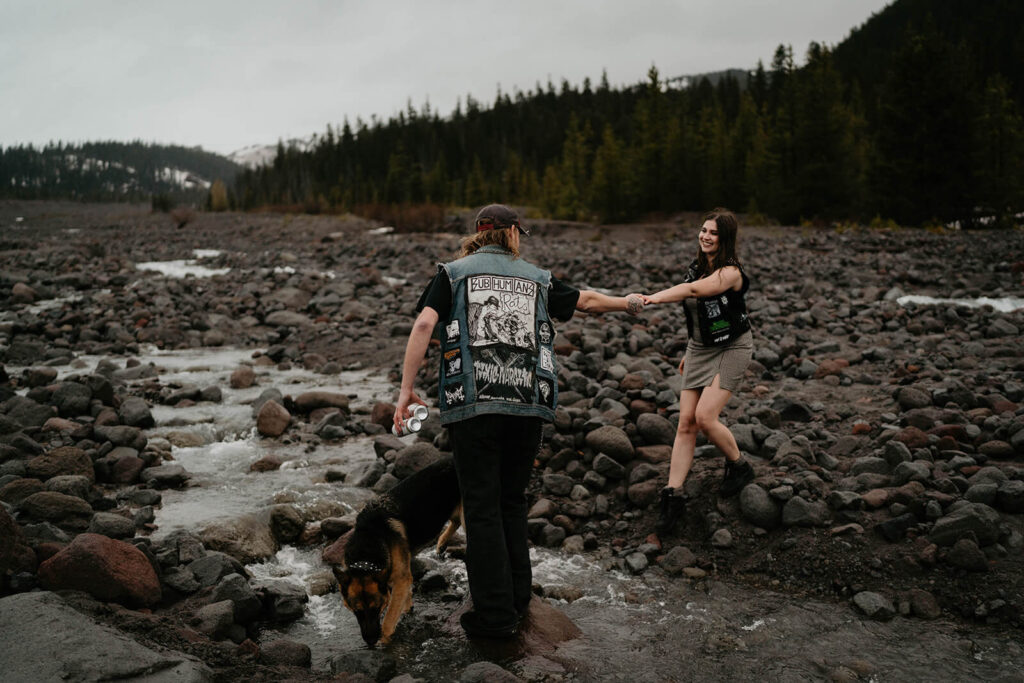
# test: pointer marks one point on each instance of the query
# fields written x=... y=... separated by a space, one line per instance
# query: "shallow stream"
x=635 y=628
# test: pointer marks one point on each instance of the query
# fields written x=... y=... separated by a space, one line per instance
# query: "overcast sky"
x=225 y=75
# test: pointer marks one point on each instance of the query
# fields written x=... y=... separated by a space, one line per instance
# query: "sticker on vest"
x=711 y=306
x=454 y=395
x=502 y=310
x=503 y=374
x=546 y=388
x=451 y=332
x=545 y=333
x=547 y=362
x=452 y=363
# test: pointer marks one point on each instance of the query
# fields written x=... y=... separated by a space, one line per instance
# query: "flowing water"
x=635 y=628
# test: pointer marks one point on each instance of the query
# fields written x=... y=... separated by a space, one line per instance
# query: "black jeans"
x=494 y=457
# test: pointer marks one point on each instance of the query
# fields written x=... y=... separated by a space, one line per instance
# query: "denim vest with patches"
x=496 y=345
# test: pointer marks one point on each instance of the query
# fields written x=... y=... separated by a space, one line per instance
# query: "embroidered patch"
x=546 y=389
x=547 y=362
x=503 y=374
x=452 y=363
x=545 y=333
x=502 y=310
x=454 y=394
x=451 y=331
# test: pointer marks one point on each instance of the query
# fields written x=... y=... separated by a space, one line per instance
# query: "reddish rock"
x=912 y=437
x=947 y=443
x=311 y=400
x=639 y=406
x=107 y=418
x=957 y=432
x=48 y=549
x=20 y=489
x=109 y=570
x=861 y=427
x=875 y=498
x=127 y=469
x=59 y=508
x=645 y=492
x=1002 y=406
x=1000 y=450
x=243 y=377
x=64 y=460
x=22 y=293
x=907 y=492
x=832 y=366
x=382 y=414
x=267 y=463
x=273 y=419
x=632 y=381
x=654 y=454
x=60 y=424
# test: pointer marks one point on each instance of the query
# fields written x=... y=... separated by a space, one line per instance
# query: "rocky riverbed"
x=886 y=432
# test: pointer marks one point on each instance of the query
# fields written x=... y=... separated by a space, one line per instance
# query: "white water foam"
x=1006 y=304
x=185 y=267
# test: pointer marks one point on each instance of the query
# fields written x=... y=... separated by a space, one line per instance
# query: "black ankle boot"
x=737 y=475
x=671 y=508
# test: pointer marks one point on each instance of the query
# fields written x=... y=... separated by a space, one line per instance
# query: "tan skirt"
x=730 y=362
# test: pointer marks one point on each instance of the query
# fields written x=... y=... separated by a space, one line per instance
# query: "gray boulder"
x=611 y=441
x=802 y=512
x=976 y=518
x=88 y=651
x=758 y=508
x=655 y=429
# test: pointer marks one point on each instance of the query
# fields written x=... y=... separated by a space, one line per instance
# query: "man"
x=498 y=384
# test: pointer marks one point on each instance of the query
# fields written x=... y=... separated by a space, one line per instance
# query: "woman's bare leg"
x=686 y=438
x=709 y=407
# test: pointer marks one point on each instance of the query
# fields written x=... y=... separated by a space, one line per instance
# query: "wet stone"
x=874 y=605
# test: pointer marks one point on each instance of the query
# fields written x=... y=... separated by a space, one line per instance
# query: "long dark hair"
x=728 y=227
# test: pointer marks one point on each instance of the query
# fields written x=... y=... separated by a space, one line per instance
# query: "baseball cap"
x=499 y=216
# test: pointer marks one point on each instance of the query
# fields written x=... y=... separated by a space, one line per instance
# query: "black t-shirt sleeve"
x=437 y=295
x=562 y=300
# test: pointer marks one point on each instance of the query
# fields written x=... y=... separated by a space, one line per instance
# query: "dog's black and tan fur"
x=375 y=577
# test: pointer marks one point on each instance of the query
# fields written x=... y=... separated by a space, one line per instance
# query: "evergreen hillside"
x=111 y=171
x=916 y=117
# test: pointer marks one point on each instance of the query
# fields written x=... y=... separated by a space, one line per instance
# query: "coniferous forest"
x=110 y=171
x=915 y=118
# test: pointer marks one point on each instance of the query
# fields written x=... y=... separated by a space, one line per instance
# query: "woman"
x=718 y=352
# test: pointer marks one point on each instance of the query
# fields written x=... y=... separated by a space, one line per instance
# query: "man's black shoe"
x=737 y=475
x=671 y=508
x=474 y=628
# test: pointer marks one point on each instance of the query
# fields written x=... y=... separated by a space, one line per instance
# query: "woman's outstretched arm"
x=716 y=283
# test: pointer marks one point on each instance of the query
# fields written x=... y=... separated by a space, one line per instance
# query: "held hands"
x=635 y=303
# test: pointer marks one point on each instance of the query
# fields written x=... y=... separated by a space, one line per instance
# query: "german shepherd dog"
x=375 y=577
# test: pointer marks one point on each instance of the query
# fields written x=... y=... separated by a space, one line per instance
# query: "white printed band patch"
x=454 y=394
x=451 y=332
x=546 y=360
x=502 y=310
x=503 y=374
x=452 y=363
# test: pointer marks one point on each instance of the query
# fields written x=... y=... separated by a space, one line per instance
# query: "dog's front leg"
x=401 y=592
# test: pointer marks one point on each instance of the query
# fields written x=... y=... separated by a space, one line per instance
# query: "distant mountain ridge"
x=111 y=171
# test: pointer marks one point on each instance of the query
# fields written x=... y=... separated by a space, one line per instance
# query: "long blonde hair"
x=501 y=237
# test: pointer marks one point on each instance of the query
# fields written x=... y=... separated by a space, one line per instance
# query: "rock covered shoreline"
x=888 y=441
